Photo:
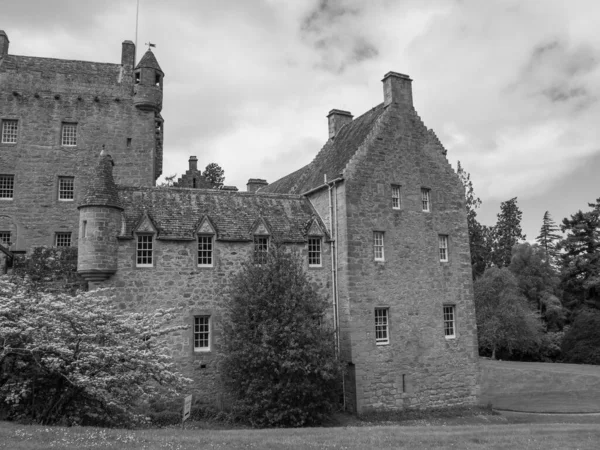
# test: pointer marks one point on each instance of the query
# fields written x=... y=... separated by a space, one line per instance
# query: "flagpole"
x=137 y=14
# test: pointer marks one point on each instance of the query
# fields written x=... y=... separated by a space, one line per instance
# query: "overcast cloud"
x=511 y=88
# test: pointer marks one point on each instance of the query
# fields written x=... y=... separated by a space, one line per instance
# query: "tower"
x=148 y=83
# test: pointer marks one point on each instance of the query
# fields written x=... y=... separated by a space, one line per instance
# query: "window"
x=9 y=131
x=202 y=333
x=382 y=323
x=449 y=323
x=7 y=187
x=144 y=250
x=84 y=229
x=443 y=240
x=205 y=251
x=136 y=76
x=425 y=200
x=65 y=188
x=378 y=245
x=261 y=249
x=69 y=134
x=62 y=239
x=314 y=252
x=5 y=238
x=395 y=196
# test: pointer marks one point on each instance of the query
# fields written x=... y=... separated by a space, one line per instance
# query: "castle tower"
x=148 y=83
x=99 y=224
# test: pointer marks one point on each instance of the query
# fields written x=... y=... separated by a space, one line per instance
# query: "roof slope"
x=149 y=60
x=101 y=189
x=177 y=212
x=332 y=159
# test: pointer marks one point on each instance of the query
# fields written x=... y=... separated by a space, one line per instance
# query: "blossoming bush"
x=78 y=359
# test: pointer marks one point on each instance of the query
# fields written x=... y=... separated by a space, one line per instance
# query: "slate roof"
x=100 y=189
x=332 y=159
x=149 y=60
x=177 y=212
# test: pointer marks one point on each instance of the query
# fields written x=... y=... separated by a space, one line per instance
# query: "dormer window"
x=205 y=251
x=261 y=249
x=144 y=250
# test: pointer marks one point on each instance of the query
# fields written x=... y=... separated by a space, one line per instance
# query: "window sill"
x=202 y=350
x=450 y=338
x=379 y=344
x=205 y=266
x=144 y=266
x=314 y=266
x=6 y=199
x=66 y=200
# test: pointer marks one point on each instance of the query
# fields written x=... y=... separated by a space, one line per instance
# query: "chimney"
x=254 y=184
x=337 y=119
x=397 y=88
x=3 y=44
x=128 y=54
x=193 y=164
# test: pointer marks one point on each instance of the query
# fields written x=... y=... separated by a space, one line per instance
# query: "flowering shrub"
x=78 y=359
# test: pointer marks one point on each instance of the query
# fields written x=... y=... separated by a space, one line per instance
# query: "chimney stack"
x=337 y=119
x=193 y=163
x=3 y=44
x=397 y=88
x=254 y=184
x=128 y=54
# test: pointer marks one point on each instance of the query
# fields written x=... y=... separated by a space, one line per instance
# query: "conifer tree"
x=507 y=232
x=548 y=238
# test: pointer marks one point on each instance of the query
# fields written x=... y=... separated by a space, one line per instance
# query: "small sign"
x=187 y=407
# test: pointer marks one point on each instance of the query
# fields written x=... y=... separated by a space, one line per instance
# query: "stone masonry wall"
x=43 y=93
x=176 y=282
x=419 y=367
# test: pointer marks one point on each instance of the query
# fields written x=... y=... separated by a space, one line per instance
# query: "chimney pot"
x=3 y=44
x=397 y=88
x=337 y=119
x=254 y=184
x=193 y=163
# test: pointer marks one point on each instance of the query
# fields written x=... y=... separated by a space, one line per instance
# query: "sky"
x=511 y=88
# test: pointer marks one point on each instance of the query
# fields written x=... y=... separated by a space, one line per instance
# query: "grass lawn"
x=513 y=436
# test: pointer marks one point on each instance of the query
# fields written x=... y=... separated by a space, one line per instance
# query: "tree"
x=504 y=320
x=169 y=181
x=79 y=359
x=215 y=174
x=507 y=232
x=548 y=238
x=581 y=258
x=581 y=344
x=538 y=282
x=280 y=361
x=479 y=235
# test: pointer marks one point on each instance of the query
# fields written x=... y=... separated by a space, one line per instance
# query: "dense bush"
x=78 y=359
x=581 y=343
x=280 y=365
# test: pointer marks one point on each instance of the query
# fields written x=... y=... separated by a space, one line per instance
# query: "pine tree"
x=548 y=238
x=507 y=232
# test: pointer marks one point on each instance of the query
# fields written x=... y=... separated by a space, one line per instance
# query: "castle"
x=378 y=216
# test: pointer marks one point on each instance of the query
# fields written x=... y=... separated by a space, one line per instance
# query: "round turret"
x=148 y=83
x=99 y=224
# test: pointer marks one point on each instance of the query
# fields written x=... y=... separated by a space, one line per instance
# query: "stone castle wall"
x=419 y=366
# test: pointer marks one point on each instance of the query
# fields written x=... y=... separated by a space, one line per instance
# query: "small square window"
x=426 y=200
x=382 y=323
x=7 y=187
x=66 y=188
x=443 y=241
x=205 y=251
x=449 y=321
x=202 y=329
x=144 y=250
x=9 y=131
x=378 y=245
x=314 y=252
x=69 y=135
x=62 y=239
x=261 y=249
x=396 y=196
x=5 y=238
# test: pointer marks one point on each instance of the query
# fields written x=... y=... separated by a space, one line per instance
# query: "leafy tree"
x=538 y=282
x=581 y=258
x=479 y=235
x=215 y=174
x=504 y=320
x=169 y=181
x=581 y=343
x=549 y=238
x=507 y=232
x=280 y=361
x=79 y=359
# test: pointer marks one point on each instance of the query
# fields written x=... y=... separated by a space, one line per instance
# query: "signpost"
x=187 y=409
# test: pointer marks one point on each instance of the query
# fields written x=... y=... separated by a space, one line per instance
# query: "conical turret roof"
x=101 y=189
x=149 y=61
